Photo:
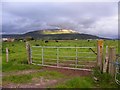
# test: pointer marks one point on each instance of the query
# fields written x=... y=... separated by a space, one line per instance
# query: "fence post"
x=105 y=67
x=57 y=56
x=100 y=54
x=7 y=52
x=112 y=57
x=76 y=62
x=28 y=53
x=42 y=56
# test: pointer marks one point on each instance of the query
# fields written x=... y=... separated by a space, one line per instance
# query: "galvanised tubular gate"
x=39 y=55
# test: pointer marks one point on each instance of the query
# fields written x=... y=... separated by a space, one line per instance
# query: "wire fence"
x=66 y=57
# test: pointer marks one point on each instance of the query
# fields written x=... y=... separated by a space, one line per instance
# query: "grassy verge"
x=104 y=80
x=11 y=66
x=28 y=77
x=77 y=82
x=18 y=79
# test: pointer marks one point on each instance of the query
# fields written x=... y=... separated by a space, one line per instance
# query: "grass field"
x=18 y=56
x=18 y=62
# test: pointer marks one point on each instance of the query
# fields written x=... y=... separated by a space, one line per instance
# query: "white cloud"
x=105 y=27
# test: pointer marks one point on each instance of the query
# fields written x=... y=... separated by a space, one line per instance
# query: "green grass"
x=105 y=80
x=17 y=79
x=8 y=67
x=26 y=78
x=18 y=61
x=18 y=55
x=77 y=82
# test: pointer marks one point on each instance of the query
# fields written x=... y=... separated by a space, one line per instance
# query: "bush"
x=105 y=80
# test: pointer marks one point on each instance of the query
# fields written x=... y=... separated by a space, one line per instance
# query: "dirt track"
x=43 y=82
x=69 y=71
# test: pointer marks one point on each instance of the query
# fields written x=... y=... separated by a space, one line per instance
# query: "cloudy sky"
x=96 y=18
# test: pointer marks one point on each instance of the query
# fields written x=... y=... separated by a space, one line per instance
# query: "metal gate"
x=81 y=58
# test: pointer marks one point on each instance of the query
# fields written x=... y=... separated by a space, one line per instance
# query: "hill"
x=53 y=31
x=53 y=34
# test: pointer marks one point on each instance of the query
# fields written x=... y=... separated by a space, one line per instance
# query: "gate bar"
x=60 y=47
x=64 y=67
x=76 y=61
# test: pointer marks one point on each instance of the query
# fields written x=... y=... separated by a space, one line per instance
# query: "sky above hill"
x=96 y=18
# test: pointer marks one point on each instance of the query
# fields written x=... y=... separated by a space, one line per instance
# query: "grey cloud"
x=82 y=17
x=39 y=10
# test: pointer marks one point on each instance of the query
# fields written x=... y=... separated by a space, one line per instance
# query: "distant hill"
x=53 y=31
x=53 y=34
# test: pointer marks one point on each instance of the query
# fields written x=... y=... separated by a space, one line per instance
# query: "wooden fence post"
x=105 y=66
x=7 y=52
x=100 y=54
x=112 y=57
x=76 y=61
x=57 y=57
x=28 y=53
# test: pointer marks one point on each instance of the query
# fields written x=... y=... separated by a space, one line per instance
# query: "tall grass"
x=77 y=82
x=104 y=80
